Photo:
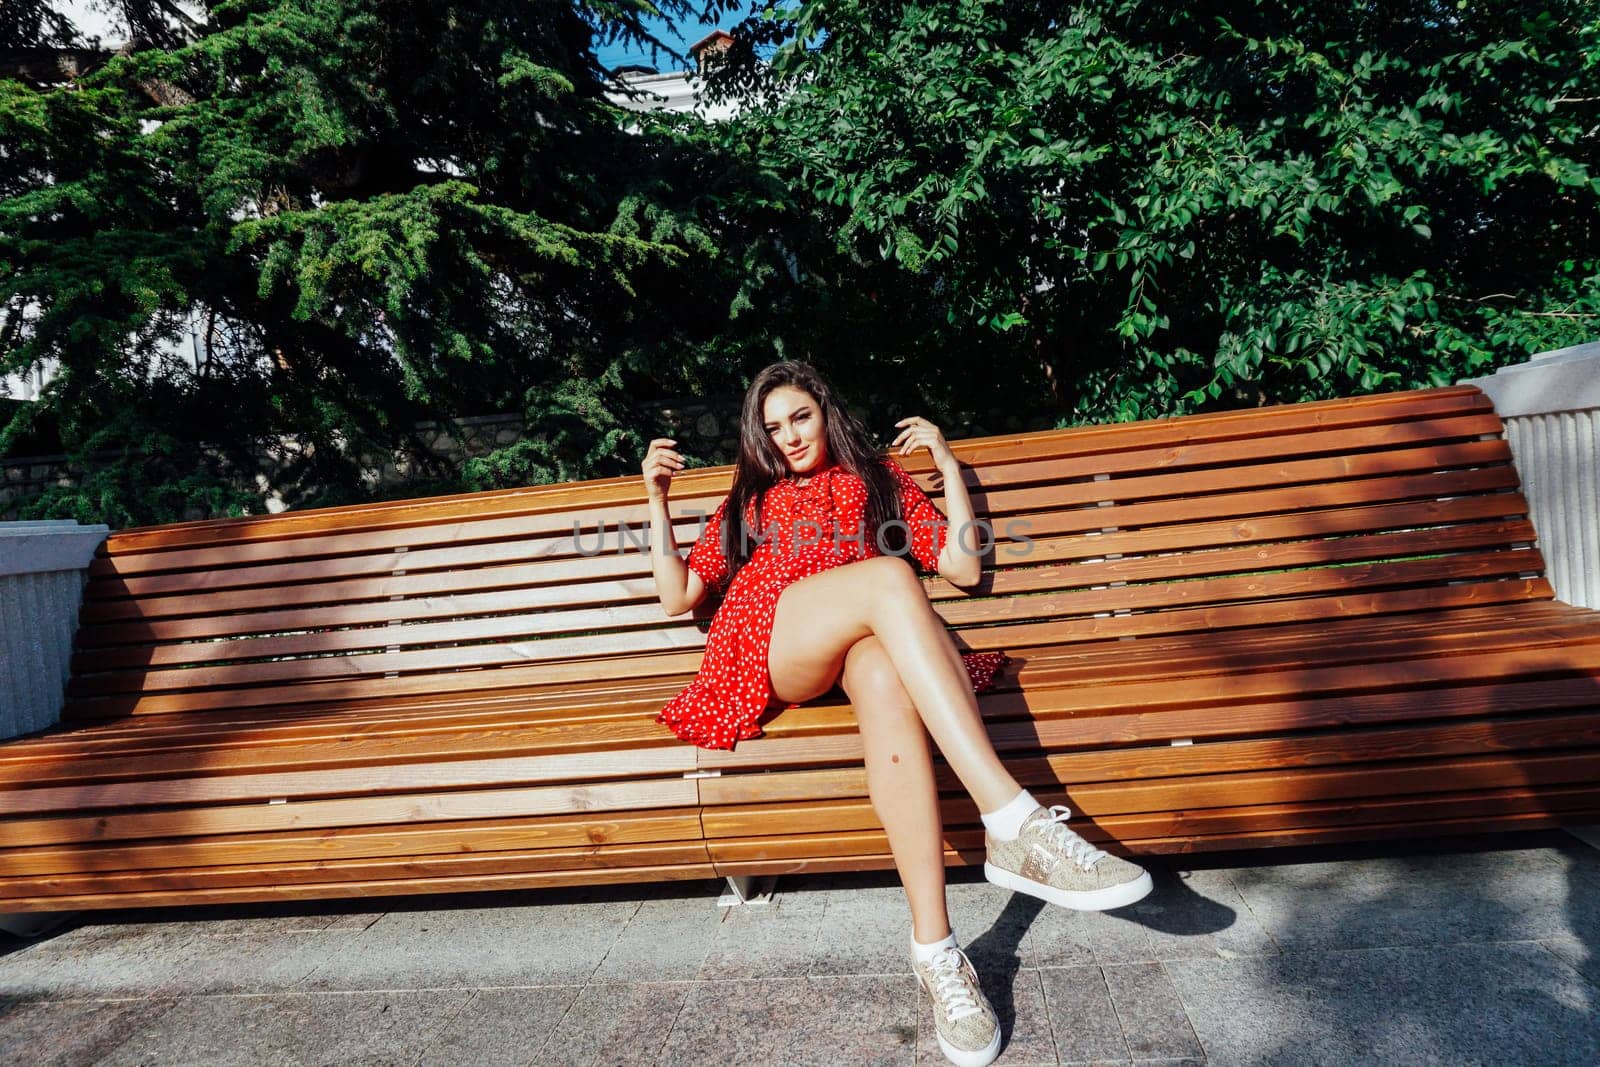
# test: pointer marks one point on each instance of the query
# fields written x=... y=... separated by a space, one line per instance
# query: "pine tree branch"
x=42 y=67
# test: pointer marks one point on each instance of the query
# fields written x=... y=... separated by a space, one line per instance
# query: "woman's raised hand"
x=659 y=464
x=917 y=433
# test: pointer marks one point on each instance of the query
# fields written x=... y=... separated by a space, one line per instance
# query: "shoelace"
x=1082 y=853
x=950 y=986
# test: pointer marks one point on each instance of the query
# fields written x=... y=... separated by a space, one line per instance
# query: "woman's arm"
x=960 y=562
x=679 y=588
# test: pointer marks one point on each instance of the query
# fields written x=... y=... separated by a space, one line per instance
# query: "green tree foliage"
x=1169 y=207
x=377 y=212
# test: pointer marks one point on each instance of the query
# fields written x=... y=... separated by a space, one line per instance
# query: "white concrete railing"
x=43 y=569
x=1551 y=409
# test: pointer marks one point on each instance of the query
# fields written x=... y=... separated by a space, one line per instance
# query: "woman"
x=827 y=596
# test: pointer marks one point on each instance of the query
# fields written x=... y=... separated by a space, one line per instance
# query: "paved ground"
x=1481 y=950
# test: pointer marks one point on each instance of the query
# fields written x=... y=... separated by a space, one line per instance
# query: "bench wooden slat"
x=751 y=823
x=586 y=829
x=371 y=779
x=1330 y=475
x=235 y=752
x=1100 y=666
x=682 y=665
x=353 y=811
x=1419 y=830
x=1168 y=795
x=544 y=599
x=1279 y=503
x=1167 y=828
x=1160 y=538
x=1252 y=424
x=1098 y=803
x=476 y=883
x=1147 y=763
x=512 y=861
x=965 y=848
x=514 y=708
x=1022 y=739
x=237 y=749
x=552 y=674
x=1279 y=786
x=565 y=582
x=351 y=570
x=1014 y=606
x=1222 y=560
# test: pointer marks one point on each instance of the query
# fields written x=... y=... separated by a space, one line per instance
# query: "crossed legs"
x=869 y=625
x=900 y=782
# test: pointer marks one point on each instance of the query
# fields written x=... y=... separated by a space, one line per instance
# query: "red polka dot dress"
x=732 y=689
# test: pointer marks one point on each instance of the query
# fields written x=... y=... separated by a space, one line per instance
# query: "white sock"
x=1006 y=823
x=924 y=953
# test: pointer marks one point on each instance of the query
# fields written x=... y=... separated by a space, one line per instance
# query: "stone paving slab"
x=1149 y=1011
x=499 y=1026
x=390 y=1027
x=822 y=1021
x=618 y=1023
x=1082 y=1018
x=71 y=1032
x=166 y=962
x=667 y=939
x=1504 y=1003
x=1501 y=895
x=523 y=943
x=1582 y=956
x=775 y=940
x=1477 y=950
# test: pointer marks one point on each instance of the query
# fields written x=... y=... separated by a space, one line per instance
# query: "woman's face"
x=793 y=421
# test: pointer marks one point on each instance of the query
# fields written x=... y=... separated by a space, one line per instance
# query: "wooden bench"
x=1296 y=624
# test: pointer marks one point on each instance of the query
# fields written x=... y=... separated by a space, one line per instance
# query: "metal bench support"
x=747 y=889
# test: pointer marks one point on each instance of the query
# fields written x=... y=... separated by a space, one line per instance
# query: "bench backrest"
x=538 y=599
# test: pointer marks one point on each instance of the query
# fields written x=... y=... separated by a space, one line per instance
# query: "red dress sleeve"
x=929 y=527
x=706 y=557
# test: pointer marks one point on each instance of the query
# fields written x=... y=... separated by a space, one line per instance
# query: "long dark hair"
x=761 y=465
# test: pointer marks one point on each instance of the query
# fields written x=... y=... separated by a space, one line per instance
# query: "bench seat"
x=1343 y=730
x=1298 y=624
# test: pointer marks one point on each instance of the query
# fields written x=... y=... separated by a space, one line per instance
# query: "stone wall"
x=26 y=476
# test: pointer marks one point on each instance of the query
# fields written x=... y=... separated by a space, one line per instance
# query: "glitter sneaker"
x=1055 y=864
x=964 y=1020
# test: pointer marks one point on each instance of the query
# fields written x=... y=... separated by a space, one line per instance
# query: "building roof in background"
x=722 y=38
x=675 y=90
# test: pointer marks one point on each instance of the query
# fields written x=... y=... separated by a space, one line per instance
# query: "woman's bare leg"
x=900 y=782
x=819 y=618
